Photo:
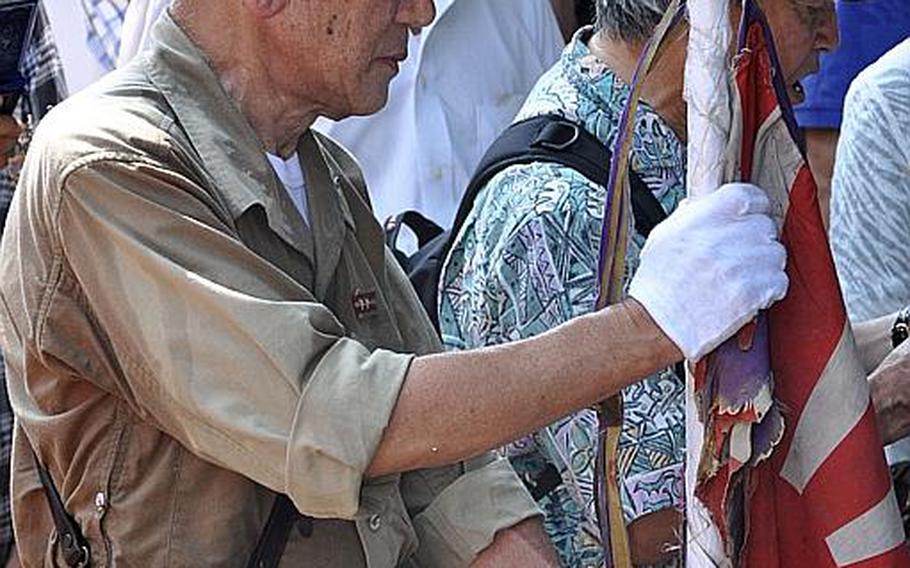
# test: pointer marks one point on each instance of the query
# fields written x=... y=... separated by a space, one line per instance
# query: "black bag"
x=545 y=138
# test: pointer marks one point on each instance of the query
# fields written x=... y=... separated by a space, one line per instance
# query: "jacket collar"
x=234 y=158
x=219 y=132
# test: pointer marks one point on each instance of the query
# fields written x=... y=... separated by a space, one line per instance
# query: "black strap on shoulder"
x=274 y=537
x=75 y=549
x=546 y=138
x=554 y=139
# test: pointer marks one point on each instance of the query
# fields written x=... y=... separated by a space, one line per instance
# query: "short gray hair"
x=629 y=20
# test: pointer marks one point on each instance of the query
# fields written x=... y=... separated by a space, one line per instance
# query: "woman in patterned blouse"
x=526 y=261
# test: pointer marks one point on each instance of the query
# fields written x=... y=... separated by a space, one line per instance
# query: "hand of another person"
x=9 y=135
x=890 y=384
x=710 y=267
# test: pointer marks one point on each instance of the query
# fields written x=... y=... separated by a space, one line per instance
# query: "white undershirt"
x=291 y=176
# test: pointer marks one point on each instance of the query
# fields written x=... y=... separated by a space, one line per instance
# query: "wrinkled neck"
x=239 y=53
x=663 y=86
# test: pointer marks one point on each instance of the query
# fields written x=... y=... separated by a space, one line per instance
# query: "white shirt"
x=68 y=23
x=465 y=78
x=140 y=16
x=291 y=175
x=870 y=202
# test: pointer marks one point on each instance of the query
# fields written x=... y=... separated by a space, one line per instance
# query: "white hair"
x=629 y=20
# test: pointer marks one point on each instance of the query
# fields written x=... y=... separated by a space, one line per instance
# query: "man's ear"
x=265 y=8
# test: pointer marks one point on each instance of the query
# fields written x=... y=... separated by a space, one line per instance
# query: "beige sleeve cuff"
x=462 y=521
x=345 y=407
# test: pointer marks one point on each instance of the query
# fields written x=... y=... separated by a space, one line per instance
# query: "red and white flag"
x=789 y=469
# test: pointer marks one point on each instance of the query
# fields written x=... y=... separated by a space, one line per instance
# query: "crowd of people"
x=213 y=358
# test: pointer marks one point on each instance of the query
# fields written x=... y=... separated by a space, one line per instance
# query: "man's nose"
x=416 y=14
x=827 y=35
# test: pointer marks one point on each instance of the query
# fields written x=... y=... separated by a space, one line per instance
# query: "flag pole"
x=707 y=95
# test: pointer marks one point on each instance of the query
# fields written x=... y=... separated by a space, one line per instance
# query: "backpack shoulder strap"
x=554 y=139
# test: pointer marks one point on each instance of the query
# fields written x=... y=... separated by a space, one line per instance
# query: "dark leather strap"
x=553 y=139
x=274 y=537
x=75 y=549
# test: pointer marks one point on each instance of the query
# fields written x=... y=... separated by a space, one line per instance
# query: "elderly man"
x=203 y=348
x=526 y=262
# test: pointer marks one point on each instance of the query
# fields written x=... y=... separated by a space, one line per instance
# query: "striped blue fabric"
x=104 y=22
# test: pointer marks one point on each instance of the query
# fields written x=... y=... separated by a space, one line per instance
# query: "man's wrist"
x=642 y=320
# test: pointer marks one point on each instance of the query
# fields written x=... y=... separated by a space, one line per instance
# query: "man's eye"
x=813 y=13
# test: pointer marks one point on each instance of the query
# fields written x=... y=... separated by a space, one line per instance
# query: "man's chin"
x=370 y=105
x=363 y=107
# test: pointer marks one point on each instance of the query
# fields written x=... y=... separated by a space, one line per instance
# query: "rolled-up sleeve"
x=217 y=346
x=458 y=510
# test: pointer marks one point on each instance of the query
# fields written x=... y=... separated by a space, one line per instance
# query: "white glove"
x=710 y=267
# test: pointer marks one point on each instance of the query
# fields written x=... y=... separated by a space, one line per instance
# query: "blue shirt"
x=868 y=29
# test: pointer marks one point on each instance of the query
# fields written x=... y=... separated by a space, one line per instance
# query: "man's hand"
x=525 y=544
x=710 y=267
x=890 y=385
x=9 y=135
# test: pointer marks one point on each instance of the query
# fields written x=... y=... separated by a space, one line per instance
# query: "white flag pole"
x=708 y=98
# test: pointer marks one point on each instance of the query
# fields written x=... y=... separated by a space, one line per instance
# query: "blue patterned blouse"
x=526 y=262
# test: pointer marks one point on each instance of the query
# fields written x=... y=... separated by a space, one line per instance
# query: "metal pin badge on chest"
x=364 y=302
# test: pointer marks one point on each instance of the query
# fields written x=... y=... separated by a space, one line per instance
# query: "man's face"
x=802 y=30
x=343 y=54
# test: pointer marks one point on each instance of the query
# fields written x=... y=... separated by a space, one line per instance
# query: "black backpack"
x=546 y=138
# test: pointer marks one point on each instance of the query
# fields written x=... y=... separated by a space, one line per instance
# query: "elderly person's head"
x=802 y=30
x=287 y=61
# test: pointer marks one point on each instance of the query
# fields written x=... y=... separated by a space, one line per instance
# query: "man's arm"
x=323 y=410
x=704 y=273
x=495 y=395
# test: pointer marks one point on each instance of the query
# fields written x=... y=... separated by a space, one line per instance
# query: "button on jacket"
x=181 y=346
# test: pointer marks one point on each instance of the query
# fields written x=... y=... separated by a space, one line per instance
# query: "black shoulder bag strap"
x=75 y=549
x=274 y=537
x=554 y=139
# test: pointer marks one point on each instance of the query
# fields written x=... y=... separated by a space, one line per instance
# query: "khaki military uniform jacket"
x=181 y=345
